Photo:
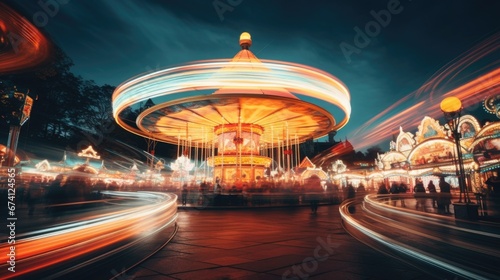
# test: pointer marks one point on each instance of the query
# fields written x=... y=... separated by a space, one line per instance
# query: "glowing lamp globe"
x=451 y=105
x=245 y=40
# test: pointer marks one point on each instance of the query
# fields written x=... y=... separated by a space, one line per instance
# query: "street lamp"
x=15 y=109
x=22 y=46
x=452 y=110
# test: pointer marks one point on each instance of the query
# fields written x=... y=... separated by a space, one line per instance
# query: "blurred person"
x=217 y=188
x=382 y=191
x=402 y=189
x=493 y=192
x=361 y=190
x=419 y=193
x=444 y=199
x=55 y=193
x=31 y=201
x=493 y=184
x=184 y=194
x=394 y=189
x=32 y=195
x=332 y=191
x=203 y=187
x=20 y=194
x=431 y=188
x=315 y=191
x=75 y=189
x=351 y=194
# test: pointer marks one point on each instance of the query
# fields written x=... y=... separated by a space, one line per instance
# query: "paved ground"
x=273 y=243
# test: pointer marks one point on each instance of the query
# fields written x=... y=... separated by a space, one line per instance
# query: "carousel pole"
x=252 y=171
x=297 y=151
x=272 y=150
x=279 y=153
x=196 y=164
x=204 y=153
x=178 y=143
x=288 y=154
x=223 y=134
x=214 y=140
x=240 y=141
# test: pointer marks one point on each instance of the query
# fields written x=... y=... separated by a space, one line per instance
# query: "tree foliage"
x=68 y=108
x=372 y=153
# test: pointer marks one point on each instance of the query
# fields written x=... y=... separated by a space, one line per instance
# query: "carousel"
x=242 y=119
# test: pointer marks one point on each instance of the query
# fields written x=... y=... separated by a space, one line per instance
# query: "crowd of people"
x=62 y=190
x=67 y=189
x=440 y=200
x=312 y=191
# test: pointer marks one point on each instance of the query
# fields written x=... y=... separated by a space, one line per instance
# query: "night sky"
x=404 y=44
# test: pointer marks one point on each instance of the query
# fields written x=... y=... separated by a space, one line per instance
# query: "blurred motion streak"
x=61 y=243
x=22 y=45
x=221 y=75
x=470 y=93
x=475 y=65
x=426 y=240
x=392 y=124
x=451 y=70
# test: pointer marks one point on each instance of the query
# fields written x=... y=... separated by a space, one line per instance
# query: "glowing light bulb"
x=451 y=104
x=245 y=40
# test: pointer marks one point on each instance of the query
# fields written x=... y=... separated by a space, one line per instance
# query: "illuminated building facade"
x=431 y=152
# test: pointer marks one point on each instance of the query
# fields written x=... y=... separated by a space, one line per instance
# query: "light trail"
x=470 y=94
x=379 y=202
x=470 y=78
x=422 y=237
x=446 y=74
x=61 y=243
x=22 y=45
x=267 y=76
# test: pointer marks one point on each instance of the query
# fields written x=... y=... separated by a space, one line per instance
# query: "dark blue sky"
x=112 y=41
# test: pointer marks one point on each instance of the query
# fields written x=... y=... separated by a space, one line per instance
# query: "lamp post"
x=22 y=46
x=452 y=110
x=15 y=109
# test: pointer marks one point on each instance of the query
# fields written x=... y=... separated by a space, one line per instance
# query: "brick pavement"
x=272 y=243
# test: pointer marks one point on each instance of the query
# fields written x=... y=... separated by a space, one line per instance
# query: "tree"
x=71 y=112
x=94 y=113
x=372 y=152
x=56 y=88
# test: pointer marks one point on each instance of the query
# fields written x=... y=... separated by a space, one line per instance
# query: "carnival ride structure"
x=239 y=116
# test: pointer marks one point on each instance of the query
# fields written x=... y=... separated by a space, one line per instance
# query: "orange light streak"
x=450 y=71
x=44 y=250
x=27 y=46
x=471 y=93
